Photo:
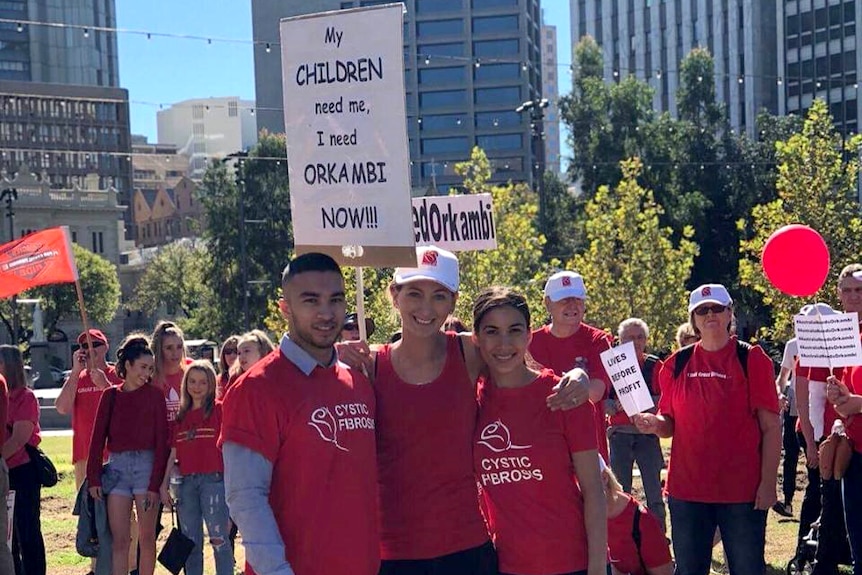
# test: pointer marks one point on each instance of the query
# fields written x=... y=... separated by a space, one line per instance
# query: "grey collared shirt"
x=248 y=477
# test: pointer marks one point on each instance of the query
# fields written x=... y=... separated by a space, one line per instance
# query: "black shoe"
x=783 y=509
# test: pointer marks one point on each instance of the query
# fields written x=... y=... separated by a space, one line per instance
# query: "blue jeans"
x=628 y=448
x=202 y=500
x=852 y=490
x=743 y=534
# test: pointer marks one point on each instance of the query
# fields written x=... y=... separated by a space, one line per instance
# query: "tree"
x=631 y=265
x=265 y=195
x=562 y=211
x=176 y=280
x=816 y=186
x=100 y=287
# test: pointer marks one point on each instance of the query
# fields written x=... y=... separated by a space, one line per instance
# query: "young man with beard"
x=298 y=441
x=568 y=343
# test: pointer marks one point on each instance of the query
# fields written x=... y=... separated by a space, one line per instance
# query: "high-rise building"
x=468 y=65
x=208 y=128
x=649 y=39
x=59 y=55
x=818 y=58
x=551 y=91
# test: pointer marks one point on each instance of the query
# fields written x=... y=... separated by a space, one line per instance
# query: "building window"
x=450 y=49
x=500 y=142
x=443 y=122
x=486 y=4
x=98 y=243
x=495 y=48
x=435 y=6
x=445 y=145
x=437 y=76
x=499 y=119
x=492 y=72
x=509 y=96
x=494 y=24
x=443 y=98
x=434 y=28
x=198 y=112
x=232 y=108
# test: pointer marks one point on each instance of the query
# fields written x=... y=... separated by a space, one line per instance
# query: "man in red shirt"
x=91 y=375
x=568 y=343
x=298 y=441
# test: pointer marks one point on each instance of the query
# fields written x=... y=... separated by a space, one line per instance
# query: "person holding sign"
x=627 y=444
x=540 y=484
x=426 y=416
x=569 y=343
x=716 y=389
x=298 y=442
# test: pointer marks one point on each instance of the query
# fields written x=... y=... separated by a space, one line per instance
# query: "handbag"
x=87 y=534
x=44 y=466
x=177 y=549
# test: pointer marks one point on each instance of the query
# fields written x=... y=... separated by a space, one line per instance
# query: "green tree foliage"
x=176 y=280
x=631 y=265
x=263 y=189
x=816 y=186
x=562 y=210
x=100 y=287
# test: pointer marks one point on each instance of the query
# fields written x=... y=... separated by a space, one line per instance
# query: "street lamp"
x=536 y=108
x=10 y=195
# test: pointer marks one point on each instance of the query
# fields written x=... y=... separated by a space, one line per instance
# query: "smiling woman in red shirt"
x=537 y=469
x=132 y=421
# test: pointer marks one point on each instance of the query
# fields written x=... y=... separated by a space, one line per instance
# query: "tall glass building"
x=468 y=65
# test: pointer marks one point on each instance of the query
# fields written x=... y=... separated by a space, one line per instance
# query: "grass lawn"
x=58 y=524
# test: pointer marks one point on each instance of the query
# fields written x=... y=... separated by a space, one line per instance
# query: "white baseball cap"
x=708 y=293
x=565 y=284
x=434 y=264
x=816 y=309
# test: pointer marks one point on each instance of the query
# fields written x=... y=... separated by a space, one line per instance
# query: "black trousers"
x=28 y=547
x=481 y=560
x=791 y=457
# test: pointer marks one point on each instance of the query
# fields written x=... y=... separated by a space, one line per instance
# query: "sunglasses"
x=96 y=344
x=716 y=309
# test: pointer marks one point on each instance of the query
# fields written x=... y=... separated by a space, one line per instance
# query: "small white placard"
x=828 y=340
x=624 y=371
x=455 y=223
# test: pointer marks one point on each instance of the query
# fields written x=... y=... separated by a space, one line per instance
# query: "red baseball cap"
x=95 y=335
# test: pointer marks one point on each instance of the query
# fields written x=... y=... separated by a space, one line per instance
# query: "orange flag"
x=38 y=259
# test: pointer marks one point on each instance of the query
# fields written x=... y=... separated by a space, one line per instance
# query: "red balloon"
x=795 y=260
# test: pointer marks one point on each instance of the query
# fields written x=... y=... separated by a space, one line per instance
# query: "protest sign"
x=828 y=340
x=624 y=371
x=345 y=122
x=455 y=223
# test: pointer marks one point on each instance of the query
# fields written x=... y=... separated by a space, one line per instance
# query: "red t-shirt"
x=620 y=417
x=131 y=421
x=4 y=408
x=87 y=396
x=581 y=349
x=171 y=389
x=195 y=439
x=23 y=406
x=623 y=551
x=429 y=505
x=523 y=461
x=714 y=409
x=852 y=378
x=819 y=375
x=318 y=432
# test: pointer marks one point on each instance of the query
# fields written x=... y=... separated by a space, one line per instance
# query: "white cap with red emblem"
x=434 y=264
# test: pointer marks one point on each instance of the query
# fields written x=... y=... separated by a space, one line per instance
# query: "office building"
x=649 y=38
x=76 y=55
x=208 y=128
x=468 y=65
x=818 y=58
x=551 y=91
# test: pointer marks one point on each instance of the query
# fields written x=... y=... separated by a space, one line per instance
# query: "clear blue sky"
x=167 y=70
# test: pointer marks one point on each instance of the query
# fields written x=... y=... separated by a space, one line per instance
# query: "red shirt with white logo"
x=23 y=406
x=581 y=349
x=318 y=432
x=816 y=377
x=852 y=378
x=172 y=389
x=654 y=550
x=87 y=396
x=714 y=408
x=429 y=506
x=620 y=417
x=195 y=438
x=523 y=460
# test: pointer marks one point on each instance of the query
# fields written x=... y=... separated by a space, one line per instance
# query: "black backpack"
x=682 y=356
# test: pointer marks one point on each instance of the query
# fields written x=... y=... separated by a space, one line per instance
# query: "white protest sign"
x=346 y=128
x=621 y=365
x=455 y=223
x=828 y=340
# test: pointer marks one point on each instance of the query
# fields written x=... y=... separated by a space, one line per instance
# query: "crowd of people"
x=500 y=449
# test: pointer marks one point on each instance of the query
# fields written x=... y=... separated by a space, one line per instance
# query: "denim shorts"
x=127 y=473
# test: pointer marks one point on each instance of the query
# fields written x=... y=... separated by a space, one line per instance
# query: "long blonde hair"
x=163 y=330
x=204 y=366
x=264 y=346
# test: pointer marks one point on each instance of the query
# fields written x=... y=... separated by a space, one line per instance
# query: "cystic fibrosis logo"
x=429 y=258
x=330 y=424
x=497 y=438
x=706 y=292
x=567 y=281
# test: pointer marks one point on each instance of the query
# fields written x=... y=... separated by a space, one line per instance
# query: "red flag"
x=39 y=259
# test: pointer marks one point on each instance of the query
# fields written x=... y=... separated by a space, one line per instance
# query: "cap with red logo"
x=434 y=264
x=95 y=335
x=708 y=293
x=565 y=284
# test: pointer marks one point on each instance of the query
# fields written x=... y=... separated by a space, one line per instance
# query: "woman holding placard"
x=712 y=390
x=541 y=488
